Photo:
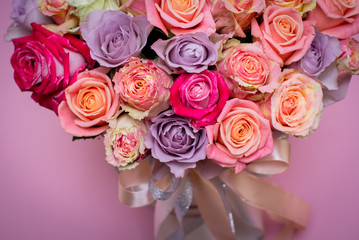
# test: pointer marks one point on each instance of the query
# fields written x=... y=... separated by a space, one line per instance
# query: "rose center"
x=240 y=131
x=91 y=99
x=181 y=5
x=124 y=144
x=289 y=104
x=191 y=50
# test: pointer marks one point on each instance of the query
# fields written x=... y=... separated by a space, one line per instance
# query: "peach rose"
x=90 y=102
x=283 y=34
x=240 y=136
x=337 y=18
x=144 y=88
x=180 y=16
x=248 y=71
x=302 y=6
x=296 y=105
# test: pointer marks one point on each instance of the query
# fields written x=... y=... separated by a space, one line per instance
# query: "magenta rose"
x=337 y=18
x=46 y=63
x=240 y=136
x=180 y=17
x=199 y=96
x=284 y=35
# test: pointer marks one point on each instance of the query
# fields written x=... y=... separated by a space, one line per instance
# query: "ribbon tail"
x=211 y=207
x=284 y=206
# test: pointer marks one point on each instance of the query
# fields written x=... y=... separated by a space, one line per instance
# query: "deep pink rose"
x=337 y=18
x=180 y=17
x=46 y=63
x=90 y=102
x=199 y=96
x=240 y=136
x=284 y=35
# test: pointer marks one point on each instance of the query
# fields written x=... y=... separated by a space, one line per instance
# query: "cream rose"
x=296 y=105
x=124 y=142
x=144 y=88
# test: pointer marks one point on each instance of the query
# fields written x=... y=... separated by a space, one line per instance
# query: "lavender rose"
x=24 y=12
x=319 y=61
x=113 y=37
x=175 y=142
x=191 y=53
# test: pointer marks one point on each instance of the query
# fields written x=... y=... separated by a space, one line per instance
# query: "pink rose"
x=46 y=63
x=232 y=17
x=248 y=71
x=283 y=34
x=349 y=57
x=124 y=142
x=199 y=96
x=337 y=18
x=144 y=88
x=240 y=136
x=180 y=17
x=296 y=105
x=90 y=102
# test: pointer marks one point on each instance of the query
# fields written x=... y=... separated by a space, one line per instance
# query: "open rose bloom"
x=180 y=17
x=90 y=102
x=248 y=71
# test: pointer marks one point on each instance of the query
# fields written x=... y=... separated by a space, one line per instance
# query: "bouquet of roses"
x=194 y=99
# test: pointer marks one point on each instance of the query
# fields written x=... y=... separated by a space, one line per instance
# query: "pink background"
x=53 y=188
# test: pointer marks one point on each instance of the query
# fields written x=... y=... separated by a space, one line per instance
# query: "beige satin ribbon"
x=133 y=185
x=284 y=206
x=211 y=207
x=275 y=163
x=281 y=205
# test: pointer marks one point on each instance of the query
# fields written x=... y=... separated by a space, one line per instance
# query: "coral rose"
x=90 y=102
x=180 y=16
x=284 y=35
x=240 y=136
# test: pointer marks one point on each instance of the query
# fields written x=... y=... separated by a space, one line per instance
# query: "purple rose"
x=191 y=53
x=175 y=142
x=24 y=12
x=319 y=60
x=113 y=37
